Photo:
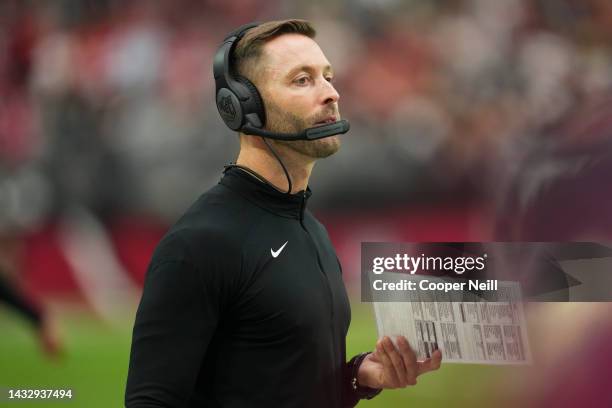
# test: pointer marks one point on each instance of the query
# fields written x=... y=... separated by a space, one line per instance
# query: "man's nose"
x=329 y=93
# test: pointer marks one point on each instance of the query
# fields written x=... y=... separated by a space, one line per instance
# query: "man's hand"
x=388 y=367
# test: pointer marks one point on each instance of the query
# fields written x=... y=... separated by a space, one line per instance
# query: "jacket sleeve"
x=176 y=318
x=174 y=322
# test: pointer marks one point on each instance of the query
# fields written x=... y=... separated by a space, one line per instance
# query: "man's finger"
x=389 y=371
x=398 y=362
x=430 y=364
x=409 y=358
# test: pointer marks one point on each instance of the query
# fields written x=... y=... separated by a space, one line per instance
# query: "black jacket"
x=223 y=322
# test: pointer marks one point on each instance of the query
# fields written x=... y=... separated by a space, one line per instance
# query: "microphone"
x=313 y=133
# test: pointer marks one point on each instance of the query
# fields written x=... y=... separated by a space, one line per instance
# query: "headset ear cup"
x=229 y=108
x=256 y=103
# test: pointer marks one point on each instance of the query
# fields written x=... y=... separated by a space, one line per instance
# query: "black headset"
x=239 y=102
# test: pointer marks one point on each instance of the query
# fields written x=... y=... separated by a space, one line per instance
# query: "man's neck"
x=261 y=160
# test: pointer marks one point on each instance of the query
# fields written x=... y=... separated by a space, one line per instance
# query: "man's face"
x=295 y=83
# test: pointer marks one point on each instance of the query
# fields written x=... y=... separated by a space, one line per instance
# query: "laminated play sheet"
x=482 y=332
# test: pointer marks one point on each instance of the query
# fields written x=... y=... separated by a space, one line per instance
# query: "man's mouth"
x=329 y=119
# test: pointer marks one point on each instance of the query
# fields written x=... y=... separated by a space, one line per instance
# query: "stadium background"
x=462 y=113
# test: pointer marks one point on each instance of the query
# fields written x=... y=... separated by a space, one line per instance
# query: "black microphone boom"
x=313 y=133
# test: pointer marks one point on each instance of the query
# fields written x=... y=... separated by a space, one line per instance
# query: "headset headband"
x=222 y=60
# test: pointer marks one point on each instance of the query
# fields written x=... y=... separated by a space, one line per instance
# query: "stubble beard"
x=281 y=121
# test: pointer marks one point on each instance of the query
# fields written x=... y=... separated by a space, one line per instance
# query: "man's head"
x=294 y=80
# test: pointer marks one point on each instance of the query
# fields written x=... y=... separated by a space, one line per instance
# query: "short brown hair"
x=249 y=48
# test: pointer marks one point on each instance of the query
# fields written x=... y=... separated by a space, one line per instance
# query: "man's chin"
x=316 y=149
x=327 y=146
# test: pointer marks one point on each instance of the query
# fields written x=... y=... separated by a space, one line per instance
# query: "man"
x=244 y=303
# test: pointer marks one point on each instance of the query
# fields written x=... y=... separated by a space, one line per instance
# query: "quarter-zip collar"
x=264 y=195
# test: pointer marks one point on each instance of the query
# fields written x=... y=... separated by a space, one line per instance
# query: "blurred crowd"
x=108 y=105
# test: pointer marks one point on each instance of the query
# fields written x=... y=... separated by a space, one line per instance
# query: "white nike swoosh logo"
x=278 y=251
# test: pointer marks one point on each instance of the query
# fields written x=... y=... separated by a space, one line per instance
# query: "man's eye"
x=302 y=81
x=329 y=79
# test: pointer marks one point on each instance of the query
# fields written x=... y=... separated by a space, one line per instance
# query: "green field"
x=94 y=365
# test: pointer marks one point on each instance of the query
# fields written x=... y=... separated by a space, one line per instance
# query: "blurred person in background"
x=561 y=192
x=17 y=300
x=229 y=309
x=23 y=190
